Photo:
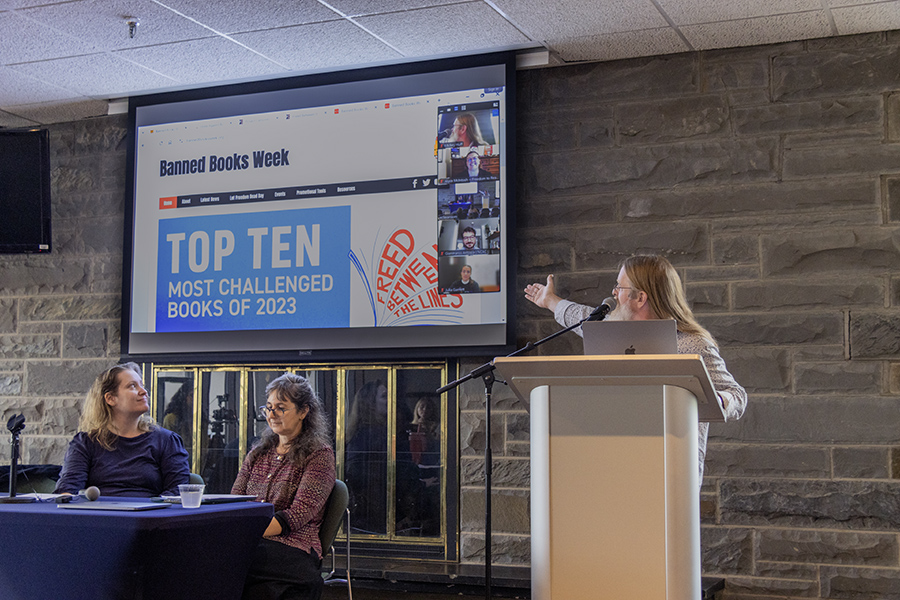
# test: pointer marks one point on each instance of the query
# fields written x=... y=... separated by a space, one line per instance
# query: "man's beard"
x=622 y=312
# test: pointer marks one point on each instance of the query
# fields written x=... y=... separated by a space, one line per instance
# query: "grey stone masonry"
x=769 y=176
x=60 y=312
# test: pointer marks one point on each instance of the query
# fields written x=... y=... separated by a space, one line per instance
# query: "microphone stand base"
x=17 y=500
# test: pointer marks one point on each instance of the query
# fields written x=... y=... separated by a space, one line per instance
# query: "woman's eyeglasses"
x=265 y=410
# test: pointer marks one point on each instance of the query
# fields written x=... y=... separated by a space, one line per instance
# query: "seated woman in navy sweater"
x=119 y=448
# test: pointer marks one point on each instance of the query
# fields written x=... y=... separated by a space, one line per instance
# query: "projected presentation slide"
x=315 y=214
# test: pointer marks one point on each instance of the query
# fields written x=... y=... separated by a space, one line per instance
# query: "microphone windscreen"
x=92 y=493
x=608 y=305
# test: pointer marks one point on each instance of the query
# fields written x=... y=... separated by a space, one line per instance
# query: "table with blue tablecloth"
x=170 y=553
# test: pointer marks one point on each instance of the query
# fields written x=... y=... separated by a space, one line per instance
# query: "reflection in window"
x=419 y=465
x=393 y=438
x=365 y=450
x=256 y=423
x=220 y=450
x=175 y=397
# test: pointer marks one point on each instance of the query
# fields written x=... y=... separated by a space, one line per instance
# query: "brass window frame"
x=447 y=540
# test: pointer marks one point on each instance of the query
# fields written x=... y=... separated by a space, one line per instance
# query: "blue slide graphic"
x=269 y=270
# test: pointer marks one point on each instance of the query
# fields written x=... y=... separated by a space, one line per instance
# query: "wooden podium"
x=615 y=503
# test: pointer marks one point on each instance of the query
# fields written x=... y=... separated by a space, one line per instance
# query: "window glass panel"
x=175 y=402
x=419 y=426
x=219 y=449
x=256 y=391
x=366 y=450
x=324 y=384
x=391 y=433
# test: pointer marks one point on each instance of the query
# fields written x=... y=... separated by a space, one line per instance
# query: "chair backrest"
x=31 y=478
x=334 y=514
x=194 y=478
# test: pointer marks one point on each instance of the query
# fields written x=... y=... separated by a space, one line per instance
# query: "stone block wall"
x=770 y=176
x=60 y=312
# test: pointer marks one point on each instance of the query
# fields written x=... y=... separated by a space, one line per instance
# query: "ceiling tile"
x=430 y=31
x=96 y=75
x=213 y=60
x=863 y=19
x=834 y=3
x=758 y=31
x=66 y=50
x=102 y=23
x=19 y=89
x=546 y=19
x=689 y=12
x=615 y=46
x=50 y=112
x=14 y=4
x=367 y=7
x=317 y=46
x=26 y=40
x=232 y=16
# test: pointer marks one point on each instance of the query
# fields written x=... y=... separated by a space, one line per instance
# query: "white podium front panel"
x=614 y=484
x=602 y=522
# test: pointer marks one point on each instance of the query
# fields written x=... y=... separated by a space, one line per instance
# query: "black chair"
x=336 y=513
x=39 y=479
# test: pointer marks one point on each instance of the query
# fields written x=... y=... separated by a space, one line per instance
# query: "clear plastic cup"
x=191 y=494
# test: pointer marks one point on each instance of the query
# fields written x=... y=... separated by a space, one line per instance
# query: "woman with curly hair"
x=292 y=468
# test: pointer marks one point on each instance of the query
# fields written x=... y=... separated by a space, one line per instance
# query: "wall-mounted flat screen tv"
x=354 y=214
x=25 y=191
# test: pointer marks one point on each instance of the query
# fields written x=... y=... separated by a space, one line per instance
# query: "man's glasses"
x=619 y=288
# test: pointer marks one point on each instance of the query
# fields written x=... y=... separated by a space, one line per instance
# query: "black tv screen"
x=355 y=214
x=24 y=191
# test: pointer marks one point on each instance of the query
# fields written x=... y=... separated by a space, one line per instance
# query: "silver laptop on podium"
x=657 y=336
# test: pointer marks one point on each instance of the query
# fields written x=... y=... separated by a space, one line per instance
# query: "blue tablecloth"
x=48 y=552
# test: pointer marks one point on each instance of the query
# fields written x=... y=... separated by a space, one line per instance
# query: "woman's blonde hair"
x=656 y=277
x=96 y=417
x=429 y=421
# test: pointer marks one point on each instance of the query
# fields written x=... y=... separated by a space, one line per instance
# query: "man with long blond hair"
x=467 y=131
x=648 y=287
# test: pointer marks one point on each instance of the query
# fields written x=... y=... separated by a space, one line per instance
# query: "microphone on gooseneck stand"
x=607 y=306
x=486 y=372
x=91 y=493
